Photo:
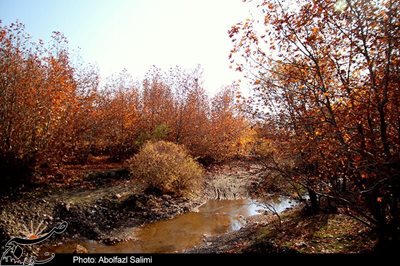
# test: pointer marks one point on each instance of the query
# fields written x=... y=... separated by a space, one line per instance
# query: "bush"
x=167 y=168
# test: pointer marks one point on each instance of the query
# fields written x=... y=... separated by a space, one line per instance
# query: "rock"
x=139 y=205
x=152 y=203
x=80 y=250
x=205 y=237
x=110 y=241
x=300 y=244
x=117 y=196
x=166 y=197
x=49 y=217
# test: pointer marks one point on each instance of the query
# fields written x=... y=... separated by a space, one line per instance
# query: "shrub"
x=167 y=168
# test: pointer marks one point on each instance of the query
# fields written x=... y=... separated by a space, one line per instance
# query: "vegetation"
x=55 y=112
x=322 y=119
x=167 y=168
x=326 y=81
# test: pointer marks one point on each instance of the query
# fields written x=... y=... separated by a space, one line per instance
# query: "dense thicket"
x=55 y=111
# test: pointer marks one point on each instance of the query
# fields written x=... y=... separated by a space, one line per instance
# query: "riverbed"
x=215 y=217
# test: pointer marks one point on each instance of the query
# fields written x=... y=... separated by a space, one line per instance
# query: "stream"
x=187 y=230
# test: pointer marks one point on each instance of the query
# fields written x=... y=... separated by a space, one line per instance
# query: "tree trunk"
x=313 y=200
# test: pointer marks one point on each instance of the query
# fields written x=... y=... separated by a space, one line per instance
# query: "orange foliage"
x=54 y=111
x=326 y=78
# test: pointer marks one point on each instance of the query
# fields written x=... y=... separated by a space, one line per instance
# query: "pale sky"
x=136 y=34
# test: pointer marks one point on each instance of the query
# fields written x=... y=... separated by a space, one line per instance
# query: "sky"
x=136 y=34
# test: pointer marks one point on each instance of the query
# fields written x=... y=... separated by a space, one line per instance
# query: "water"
x=215 y=217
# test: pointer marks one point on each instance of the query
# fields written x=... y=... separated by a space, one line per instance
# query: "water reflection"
x=214 y=218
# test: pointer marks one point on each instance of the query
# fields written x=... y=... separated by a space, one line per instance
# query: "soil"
x=234 y=180
x=296 y=233
x=100 y=200
x=96 y=205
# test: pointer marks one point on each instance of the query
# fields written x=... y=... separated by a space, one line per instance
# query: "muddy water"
x=214 y=218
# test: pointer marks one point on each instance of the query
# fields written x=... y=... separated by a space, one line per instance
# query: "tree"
x=40 y=103
x=227 y=125
x=192 y=110
x=117 y=116
x=38 y=93
x=157 y=102
x=57 y=112
x=326 y=76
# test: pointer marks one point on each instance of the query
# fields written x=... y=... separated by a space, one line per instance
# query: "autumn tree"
x=84 y=120
x=57 y=111
x=156 y=104
x=176 y=103
x=325 y=74
x=116 y=115
x=38 y=95
x=191 y=110
x=47 y=111
x=228 y=125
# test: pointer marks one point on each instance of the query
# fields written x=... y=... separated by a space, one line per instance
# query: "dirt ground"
x=295 y=234
x=95 y=201
x=100 y=200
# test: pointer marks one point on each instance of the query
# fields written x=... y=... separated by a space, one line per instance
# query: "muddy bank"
x=214 y=218
x=294 y=232
x=100 y=202
x=248 y=239
x=104 y=220
x=104 y=205
x=234 y=180
x=96 y=207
